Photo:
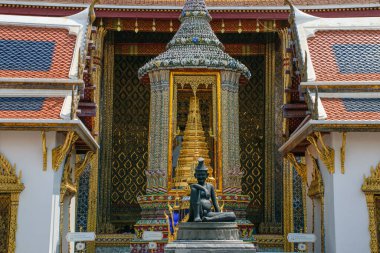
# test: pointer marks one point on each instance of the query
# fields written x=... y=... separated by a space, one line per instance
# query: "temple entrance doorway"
x=125 y=134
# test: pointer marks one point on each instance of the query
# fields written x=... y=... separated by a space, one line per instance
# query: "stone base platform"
x=199 y=237
x=207 y=246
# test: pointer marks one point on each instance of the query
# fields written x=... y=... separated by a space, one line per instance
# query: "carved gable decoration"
x=372 y=182
x=9 y=181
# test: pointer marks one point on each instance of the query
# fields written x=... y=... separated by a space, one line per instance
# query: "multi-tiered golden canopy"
x=194 y=146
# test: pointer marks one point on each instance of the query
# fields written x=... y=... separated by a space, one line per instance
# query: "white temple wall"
x=328 y=206
x=345 y=207
x=69 y=209
x=351 y=213
x=72 y=221
x=66 y=224
x=39 y=210
x=317 y=225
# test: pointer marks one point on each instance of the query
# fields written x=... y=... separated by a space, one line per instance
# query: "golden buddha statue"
x=194 y=146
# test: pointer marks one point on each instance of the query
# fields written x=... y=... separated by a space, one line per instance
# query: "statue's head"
x=201 y=173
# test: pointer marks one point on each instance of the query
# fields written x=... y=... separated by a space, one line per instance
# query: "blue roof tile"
x=26 y=55
x=362 y=104
x=21 y=103
x=357 y=58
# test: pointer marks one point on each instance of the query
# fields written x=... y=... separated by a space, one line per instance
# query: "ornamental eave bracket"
x=81 y=165
x=316 y=188
x=326 y=154
x=60 y=152
x=67 y=184
x=300 y=167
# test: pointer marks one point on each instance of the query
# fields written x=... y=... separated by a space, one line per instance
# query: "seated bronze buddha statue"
x=203 y=198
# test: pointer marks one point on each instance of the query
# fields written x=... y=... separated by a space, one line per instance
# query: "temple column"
x=269 y=128
x=230 y=132
x=106 y=117
x=158 y=132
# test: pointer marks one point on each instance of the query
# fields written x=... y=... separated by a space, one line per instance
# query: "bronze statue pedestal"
x=201 y=237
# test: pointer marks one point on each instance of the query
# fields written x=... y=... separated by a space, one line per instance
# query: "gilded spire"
x=194 y=146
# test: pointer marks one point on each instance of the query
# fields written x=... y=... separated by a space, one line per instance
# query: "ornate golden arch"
x=371 y=188
x=10 y=188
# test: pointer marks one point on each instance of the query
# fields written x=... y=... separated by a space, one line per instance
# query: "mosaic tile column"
x=106 y=140
x=230 y=132
x=159 y=129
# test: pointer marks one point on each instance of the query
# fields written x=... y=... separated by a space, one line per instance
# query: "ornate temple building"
x=106 y=106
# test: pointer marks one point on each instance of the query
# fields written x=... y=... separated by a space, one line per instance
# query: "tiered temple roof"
x=31 y=107
x=351 y=109
x=339 y=59
x=345 y=55
x=35 y=52
x=41 y=72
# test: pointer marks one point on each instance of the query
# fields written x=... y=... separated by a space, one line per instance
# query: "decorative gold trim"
x=287 y=68
x=316 y=188
x=11 y=184
x=61 y=151
x=304 y=195
x=8 y=174
x=178 y=205
x=270 y=240
x=219 y=172
x=326 y=153
x=343 y=152
x=372 y=183
x=142 y=8
x=333 y=86
x=195 y=80
x=370 y=198
x=68 y=188
x=269 y=142
x=371 y=187
x=44 y=151
x=101 y=200
x=113 y=240
x=67 y=183
x=300 y=167
x=98 y=38
x=288 y=203
x=80 y=166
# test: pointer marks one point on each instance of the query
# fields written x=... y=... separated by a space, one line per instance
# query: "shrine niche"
x=144 y=127
x=194 y=128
